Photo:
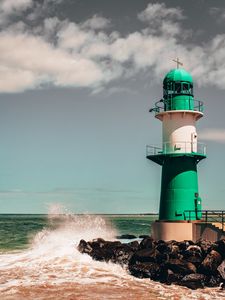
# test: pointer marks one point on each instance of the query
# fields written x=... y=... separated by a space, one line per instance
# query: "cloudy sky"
x=77 y=78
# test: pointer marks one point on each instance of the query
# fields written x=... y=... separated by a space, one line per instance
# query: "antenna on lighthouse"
x=178 y=62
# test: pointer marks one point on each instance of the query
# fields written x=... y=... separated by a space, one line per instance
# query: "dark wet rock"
x=101 y=254
x=143 y=236
x=211 y=263
x=122 y=254
x=163 y=273
x=146 y=243
x=193 y=281
x=194 y=259
x=175 y=256
x=145 y=270
x=105 y=245
x=189 y=242
x=126 y=236
x=181 y=266
x=182 y=246
x=173 y=277
x=214 y=281
x=104 y=251
x=161 y=258
x=206 y=246
x=174 y=251
x=157 y=242
x=194 y=249
x=144 y=255
x=95 y=244
x=183 y=263
x=134 y=245
x=221 y=247
x=99 y=249
x=221 y=269
x=84 y=247
x=163 y=248
x=193 y=254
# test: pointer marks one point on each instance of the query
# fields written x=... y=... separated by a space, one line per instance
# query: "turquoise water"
x=17 y=231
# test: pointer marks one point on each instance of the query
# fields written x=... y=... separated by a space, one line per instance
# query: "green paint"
x=160 y=157
x=178 y=91
x=179 y=185
x=179 y=188
x=178 y=75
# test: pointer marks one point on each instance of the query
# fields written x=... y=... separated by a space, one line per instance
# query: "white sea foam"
x=52 y=259
x=53 y=252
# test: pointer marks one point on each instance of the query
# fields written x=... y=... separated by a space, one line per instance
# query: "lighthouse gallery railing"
x=194 y=105
x=179 y=147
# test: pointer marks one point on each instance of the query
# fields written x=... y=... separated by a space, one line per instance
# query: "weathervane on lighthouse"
x=178 y=111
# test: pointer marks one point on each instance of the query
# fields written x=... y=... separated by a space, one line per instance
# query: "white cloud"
x=158 y=11
x=70 y=36
x=12 y=79
x=213 y=134
x=14 y=6
x=10 y=8
x=65 y=53
x=28 y=61
x=96 y=22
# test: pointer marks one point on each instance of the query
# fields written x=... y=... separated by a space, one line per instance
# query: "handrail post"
x=206 y=216
x=189 y=215
x=222 y=220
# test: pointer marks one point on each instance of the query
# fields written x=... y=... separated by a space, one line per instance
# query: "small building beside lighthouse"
x=180 y=201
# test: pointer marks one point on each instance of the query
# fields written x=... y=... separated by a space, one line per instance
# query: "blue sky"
x=76 y=82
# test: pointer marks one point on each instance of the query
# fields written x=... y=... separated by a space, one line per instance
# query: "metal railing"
x=152 y=150
x=175 y=148
x=162 y=105
x=208 y=216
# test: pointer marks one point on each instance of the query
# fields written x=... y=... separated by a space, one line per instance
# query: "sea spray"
x=53 y=254
x=52 y=268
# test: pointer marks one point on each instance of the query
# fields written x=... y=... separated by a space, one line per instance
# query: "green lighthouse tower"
x=180 y=153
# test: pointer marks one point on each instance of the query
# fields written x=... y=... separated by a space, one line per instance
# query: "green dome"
x=178 y=75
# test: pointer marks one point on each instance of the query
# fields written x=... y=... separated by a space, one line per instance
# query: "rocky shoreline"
x=194 y=265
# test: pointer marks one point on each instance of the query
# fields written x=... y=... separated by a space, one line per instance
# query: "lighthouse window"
x=186 y=88
x=168 y=88
x=177 y=88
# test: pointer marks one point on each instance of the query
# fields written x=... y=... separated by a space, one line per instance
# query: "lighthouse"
x=180 y=202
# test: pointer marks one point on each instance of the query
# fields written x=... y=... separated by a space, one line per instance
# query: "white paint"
x=179 y=131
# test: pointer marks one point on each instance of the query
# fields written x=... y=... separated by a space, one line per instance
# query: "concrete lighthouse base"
x=185 y=230
x=168 y=231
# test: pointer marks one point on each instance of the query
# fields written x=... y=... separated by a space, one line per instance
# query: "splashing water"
x=52 y=268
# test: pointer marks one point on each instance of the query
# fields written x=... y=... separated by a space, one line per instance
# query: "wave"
x=52 y=268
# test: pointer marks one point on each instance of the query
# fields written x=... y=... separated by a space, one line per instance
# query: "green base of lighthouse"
x=179 y=186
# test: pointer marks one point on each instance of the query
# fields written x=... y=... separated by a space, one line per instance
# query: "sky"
x=77 y=80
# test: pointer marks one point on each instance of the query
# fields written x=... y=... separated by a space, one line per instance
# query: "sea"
x=39 y=260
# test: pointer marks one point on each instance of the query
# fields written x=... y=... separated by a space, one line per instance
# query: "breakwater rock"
x=194 y=265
